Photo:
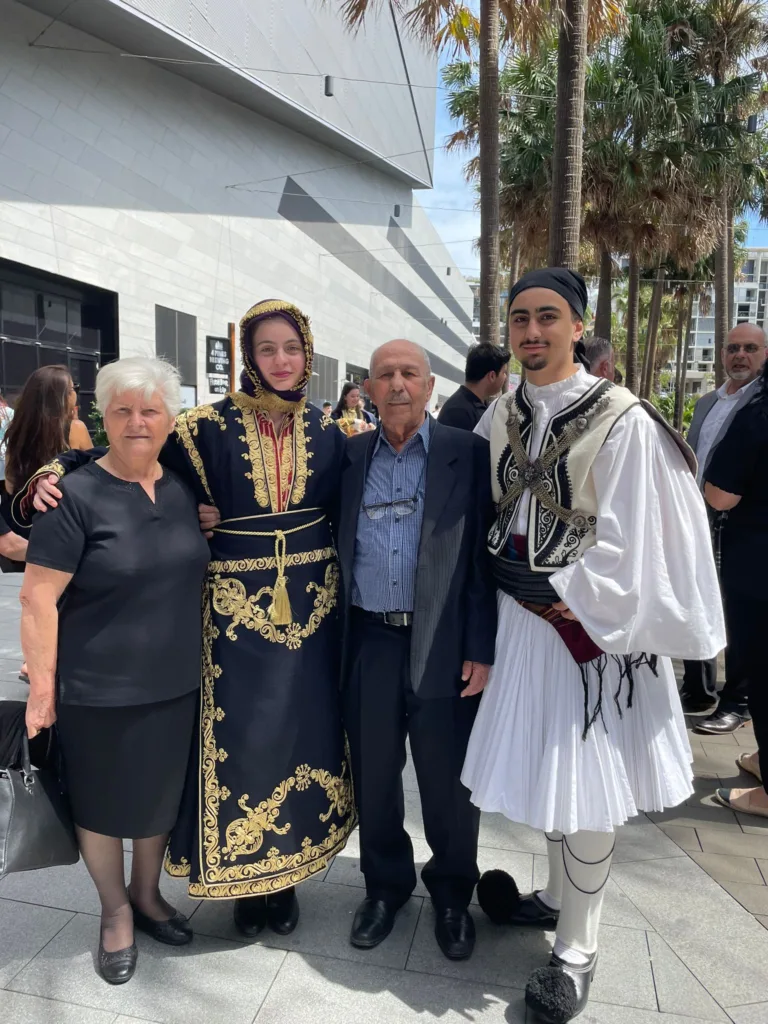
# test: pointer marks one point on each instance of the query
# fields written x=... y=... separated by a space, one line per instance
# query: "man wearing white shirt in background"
x=743 y=358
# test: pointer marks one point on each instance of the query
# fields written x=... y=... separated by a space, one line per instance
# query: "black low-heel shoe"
x=250 y=915
x=560 y=991
x=174 y=932
x=118 y=967
x=283 y=911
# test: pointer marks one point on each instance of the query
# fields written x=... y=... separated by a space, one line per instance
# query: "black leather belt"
x=399 y=619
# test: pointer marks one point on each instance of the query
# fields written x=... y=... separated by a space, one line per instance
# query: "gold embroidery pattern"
x=300 y=457
x=245 y=836
x=270 y=562
x=181 y=870
x=230 y=598
x=187 y=431
x=326 y=421
x=254 y=455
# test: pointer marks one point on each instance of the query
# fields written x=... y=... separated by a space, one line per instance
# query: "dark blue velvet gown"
x=269 y=797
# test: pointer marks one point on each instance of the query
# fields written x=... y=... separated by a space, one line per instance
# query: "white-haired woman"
x=111 y=631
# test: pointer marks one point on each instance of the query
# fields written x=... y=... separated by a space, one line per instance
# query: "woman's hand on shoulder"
x=47 y=493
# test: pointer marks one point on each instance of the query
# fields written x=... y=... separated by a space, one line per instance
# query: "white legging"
x=579 y=865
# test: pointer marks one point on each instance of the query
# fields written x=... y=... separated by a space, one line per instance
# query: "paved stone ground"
x=677 y=946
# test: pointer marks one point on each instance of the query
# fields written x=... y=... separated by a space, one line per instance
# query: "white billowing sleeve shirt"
x=649 y=582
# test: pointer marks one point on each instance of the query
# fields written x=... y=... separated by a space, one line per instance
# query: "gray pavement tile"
x=327 y=911
x=314 y=990
x=25 y=930
x=763 y=919
x=208 y=982
x=677 y=990
x=618 y=908
x=410 y=784
x=726 y=740
x=414 y=824
x=17 y=1008
x=725 y=868
x=507 y=956
x=346 y=867
x=683 y=835
x=754 y=1013
x=602 y=1013
x=643 y=842
x=719 y=754
x=700 y=816
x=692 y=913
x=753 y=898
x=498 y=832
x=751 y=824
x=763 y=865
x=717 y=841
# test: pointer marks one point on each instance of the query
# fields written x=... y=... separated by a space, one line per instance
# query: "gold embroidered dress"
x=269 y=797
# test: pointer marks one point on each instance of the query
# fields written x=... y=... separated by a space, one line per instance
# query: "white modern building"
x=748 y=307
x=164 y=164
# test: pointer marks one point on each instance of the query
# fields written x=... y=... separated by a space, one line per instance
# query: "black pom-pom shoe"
x=560 y=991
x=500 y=900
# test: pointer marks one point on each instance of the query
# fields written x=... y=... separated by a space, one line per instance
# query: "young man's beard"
x=536 y=362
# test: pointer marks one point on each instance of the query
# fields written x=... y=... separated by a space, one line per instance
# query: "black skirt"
x=124 y=767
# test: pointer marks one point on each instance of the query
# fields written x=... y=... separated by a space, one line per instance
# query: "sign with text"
x=217 y=357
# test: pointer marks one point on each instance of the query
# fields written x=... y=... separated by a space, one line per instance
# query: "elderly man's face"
x=744 y=353
x=137 y=427
x=400 y=385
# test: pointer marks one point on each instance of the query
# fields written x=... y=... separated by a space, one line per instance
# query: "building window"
x=176 y=341
x=748 y=270
x=356 y=373
x=743 y=310
x=324 y=383
x=708 y=355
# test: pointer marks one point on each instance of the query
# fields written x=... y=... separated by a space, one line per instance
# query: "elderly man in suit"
x=419 y=613
x=743 y=358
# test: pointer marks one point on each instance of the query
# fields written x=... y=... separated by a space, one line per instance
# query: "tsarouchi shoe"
x=559 y=992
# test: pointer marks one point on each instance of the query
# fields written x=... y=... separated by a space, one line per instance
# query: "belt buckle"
x=398 y=618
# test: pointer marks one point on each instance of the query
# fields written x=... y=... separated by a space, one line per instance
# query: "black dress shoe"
x=721 y=723
x=455 y=933
x=250 y=915
x=559 y=992
x=283 y=911
x=176 y=931
x=532 y=912
x=373 y=922
x=118 y=967
x=695 y=705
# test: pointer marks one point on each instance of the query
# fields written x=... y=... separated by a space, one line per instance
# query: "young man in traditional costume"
x=604 y=567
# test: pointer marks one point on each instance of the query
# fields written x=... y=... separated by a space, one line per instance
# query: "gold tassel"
x=280 y=612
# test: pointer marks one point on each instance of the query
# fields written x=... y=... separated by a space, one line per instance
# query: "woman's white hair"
x=139 y=373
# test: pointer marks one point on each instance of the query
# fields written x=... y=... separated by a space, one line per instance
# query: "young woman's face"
x=279 y=354
x=71 y=398
x=353 y=397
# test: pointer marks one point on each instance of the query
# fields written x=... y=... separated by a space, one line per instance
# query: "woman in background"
x=348 y=413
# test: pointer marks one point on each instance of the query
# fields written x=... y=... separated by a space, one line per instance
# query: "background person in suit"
x=419 y=613
x=486 y=376
x=743 y=358
x=601 y=358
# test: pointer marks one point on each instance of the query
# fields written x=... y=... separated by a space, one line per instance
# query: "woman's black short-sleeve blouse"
x=130 y=619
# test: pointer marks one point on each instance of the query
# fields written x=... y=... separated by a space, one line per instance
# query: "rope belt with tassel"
x=280 y=612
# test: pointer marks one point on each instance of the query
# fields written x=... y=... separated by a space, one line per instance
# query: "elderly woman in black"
x=736 y=483
x=111 y=631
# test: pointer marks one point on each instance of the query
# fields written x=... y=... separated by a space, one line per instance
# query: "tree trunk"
x=489 y=171
x=565 y=216
x=602 y=327
x=731 y=268
x=633 y=316
x=721 y=290
x=654 y=320
x=514 y=274
x=681 y=355
x=684 y=369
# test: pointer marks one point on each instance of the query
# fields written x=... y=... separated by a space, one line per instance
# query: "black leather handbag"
x=36 y=828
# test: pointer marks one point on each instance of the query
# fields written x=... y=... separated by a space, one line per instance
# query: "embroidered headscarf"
x=569 y=286
x=251 y=380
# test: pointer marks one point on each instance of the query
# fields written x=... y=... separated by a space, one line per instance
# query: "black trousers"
x=380 y=710
x=746 y=619
x=700 y=679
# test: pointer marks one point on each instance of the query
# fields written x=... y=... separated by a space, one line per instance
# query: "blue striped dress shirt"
x=387 y=549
